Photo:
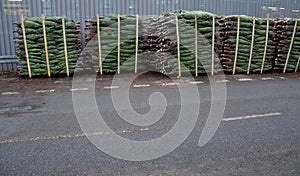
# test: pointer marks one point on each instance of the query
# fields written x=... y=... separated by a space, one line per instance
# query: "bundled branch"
x=286 y=45
x=261 y=46
x=112 y=49
x=193 y=42
x=157 y=42
x=49 y=59
x=205 y=32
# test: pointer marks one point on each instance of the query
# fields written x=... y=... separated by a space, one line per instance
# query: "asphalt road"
x=259 y=133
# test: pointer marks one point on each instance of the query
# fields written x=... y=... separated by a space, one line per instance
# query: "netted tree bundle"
x=109 y=43
x=157 y=42
x=283 y=30
x=188 y=21
x=259 y=46
x=156 y=37
x=295 y=50
x=55 y=41
x=154 y=43
x=228 y=29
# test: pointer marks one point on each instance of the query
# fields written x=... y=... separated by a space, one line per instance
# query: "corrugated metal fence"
x=10 y=10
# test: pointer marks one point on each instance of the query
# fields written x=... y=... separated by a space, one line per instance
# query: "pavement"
x=259 y=133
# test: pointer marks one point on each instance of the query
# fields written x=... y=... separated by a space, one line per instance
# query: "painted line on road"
x=69 y=136
x=15 y=109
x=283 y=77
x=111 y=87
x=58 y=82
x=245 y=79
x=251 y=116
x=84 y=80
x=45 y=91
x=141 y=86
x=196 y=82
x=144 y=129
x=170 y=84
x=79 y=89
x=222 y=81
x=267 y=78
x=88 y=80
x=10 y=93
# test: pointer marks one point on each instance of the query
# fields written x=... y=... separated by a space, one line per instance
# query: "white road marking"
x=84 y=80
x=244 y=79
x=268 y=78
x=78 y=89
x=140 y=86
x=92 y=134
x=45 y=91
x=222 y=81
x=10 y=93
x=170 y=84
x=122 y=131
x=282 y=78
x=111 y=87
x=58 y=82
x=68 y=136
x=144 y=129
x=11 y=109
x=251 y=116
x=88 y=80
x=196 y=82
